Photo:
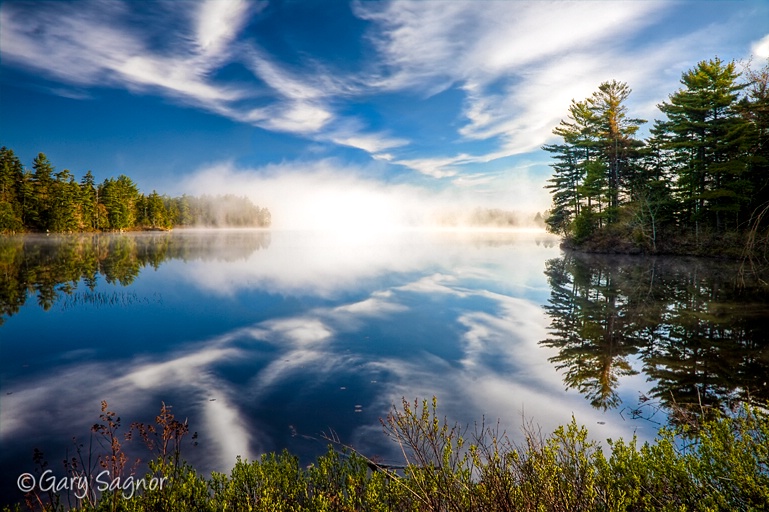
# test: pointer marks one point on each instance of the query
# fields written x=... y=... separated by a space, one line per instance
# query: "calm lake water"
x=265 y=340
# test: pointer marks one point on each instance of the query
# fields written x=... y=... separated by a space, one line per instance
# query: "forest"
x=699 y=184
x=43 y=200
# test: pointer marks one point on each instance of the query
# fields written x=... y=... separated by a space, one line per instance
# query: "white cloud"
x=517 y=65
x=447 y=167
x=90 y=46
x=219 y=21
x=435 y=167
x=429 y=43
x=761 y=47
x=374 y=143
x=283 y=82
x=300 y=117
x=94 y=45
x=521 y=63
x=472 y=180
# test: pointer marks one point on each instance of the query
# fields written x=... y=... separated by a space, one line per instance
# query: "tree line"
x=703 y=172
x=45 y=200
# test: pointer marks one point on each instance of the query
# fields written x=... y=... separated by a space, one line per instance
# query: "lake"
x=266 y=340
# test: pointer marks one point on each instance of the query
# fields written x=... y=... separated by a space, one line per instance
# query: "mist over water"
x=322 y=195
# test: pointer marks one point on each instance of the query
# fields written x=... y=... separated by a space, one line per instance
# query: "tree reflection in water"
x=49 y=267
x=695 y=328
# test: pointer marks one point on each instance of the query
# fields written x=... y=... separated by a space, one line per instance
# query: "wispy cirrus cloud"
x=218 y=22
x=95 y=43
x=508 y=69
x=351 y=132
x=447 y=167
x=519 y=64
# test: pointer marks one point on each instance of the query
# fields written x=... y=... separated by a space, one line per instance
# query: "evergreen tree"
x=173 y=211
x=88 y=202
x=11 y=178
x=573 y=158
x=44 y=200
x=157 y=215
x=64 y=211
x=597 y=162
x=42 y=193
x=651 y=207
x=706 y=134
x=185 y=211
x=120 y=197
x=754 y=108
x=564 y=185
x=618 y=147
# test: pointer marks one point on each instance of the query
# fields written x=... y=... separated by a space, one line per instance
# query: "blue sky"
x=318 y=109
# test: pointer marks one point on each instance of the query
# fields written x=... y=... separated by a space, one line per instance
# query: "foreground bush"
x=721 y=464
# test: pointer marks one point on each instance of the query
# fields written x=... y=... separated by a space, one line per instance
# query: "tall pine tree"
x=619 y=150
x=597 y=162
x=11 y=180
x=705 y=132
x=42 y=193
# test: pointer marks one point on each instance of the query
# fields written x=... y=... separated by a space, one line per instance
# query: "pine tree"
x=706 y=134
x=120 y=197
x=572 y=159
x=652 y=207
x=597 y=162
x=754 y=108
x=44 y=200
x=42 y=193
x=157 y=215
x=11 y=177
x=619 y=149
x=88 y=202
x=64 y=211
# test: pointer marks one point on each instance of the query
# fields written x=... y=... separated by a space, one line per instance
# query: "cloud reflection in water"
x=453 y=315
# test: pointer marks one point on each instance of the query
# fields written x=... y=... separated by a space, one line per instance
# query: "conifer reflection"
x=44 y=268
x=691 y=326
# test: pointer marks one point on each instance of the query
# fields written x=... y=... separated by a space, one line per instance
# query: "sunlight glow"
x=350 y=212
x=327 y=196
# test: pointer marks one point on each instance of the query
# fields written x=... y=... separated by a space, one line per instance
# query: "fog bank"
x=324 y=195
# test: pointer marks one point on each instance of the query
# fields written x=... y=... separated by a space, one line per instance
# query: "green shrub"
x=716 y=464
x=584 y=225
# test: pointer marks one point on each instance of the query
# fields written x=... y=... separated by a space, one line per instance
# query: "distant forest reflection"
x=695 y=328
x=48 y=268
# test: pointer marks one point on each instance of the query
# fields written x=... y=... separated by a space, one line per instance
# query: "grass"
x=718 y=464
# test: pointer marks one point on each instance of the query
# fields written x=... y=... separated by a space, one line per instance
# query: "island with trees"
x=44 y=200
x=698 y=185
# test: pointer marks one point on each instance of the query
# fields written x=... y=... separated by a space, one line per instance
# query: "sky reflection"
x=306 y=337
